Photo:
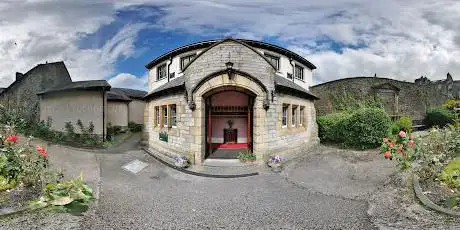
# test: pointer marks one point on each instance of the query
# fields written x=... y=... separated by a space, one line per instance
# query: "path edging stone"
x=197 y=173
x=427 y=202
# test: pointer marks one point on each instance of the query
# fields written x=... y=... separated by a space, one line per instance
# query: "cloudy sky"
x=114 y=39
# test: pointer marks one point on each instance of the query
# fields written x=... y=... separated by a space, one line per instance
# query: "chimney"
x=19 y=75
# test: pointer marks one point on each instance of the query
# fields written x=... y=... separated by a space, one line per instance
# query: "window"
x=165 y=116
x=173 y=115
x=185 y=60
x=294 y=116
x=301 y=114
x=274 y=60
x=157 y=116
x=285 y=114
x=172 y=75
x=298 y=72
x=161 y=72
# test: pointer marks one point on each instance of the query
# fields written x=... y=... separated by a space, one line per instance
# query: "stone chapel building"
x=213 y=99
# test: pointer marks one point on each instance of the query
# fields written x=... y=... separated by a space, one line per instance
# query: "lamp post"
x=229 y=66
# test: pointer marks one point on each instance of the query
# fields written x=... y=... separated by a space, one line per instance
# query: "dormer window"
x=185 y=60
x=298 y=72
x=274 y=60
x=161 y=72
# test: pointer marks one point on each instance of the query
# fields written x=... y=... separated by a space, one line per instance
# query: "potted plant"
x=182 y=162
x=275 y=163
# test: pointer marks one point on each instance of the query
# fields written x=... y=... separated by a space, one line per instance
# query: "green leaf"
x=62 y=201
x=451 y=202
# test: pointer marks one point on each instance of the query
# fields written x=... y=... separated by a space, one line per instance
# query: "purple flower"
x=276 y=159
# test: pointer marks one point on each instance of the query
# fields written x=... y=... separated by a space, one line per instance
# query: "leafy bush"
x=451 y=104
x=329 y=127
x=451 y=173
x=400 y=146
x=246 y=156
x=404 y=123
x=366 y=127
x=133 y=127
x=439 y=117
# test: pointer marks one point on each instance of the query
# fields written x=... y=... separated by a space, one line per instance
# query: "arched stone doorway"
x=229 y=122
x=221 y=83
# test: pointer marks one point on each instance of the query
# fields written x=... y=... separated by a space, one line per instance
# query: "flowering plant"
x=402 y=147
x=181 y=161
x=275 y=159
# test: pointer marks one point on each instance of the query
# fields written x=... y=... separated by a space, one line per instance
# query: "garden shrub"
x=329 y=126
x=365 y=128
x=133 y=127
x=451 y=104
x=404 y=123
x=246 y=156
x=439 y=117
x=451 y=173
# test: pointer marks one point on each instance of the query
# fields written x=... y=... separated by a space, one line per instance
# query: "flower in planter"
x=181 y=161
x=402 y=134
x=275 y=161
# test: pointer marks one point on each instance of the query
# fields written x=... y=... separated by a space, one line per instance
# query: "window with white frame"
x=284 y=116
x=298 y=72
x=185 y=60
x=157 y=116
x=161 y=72
x=274 y=60
x=173 y=116
x=301 y=115
x=294 y=116
x=165 y=116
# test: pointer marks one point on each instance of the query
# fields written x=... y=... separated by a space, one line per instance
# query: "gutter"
x=293 y=69
x=170 y=62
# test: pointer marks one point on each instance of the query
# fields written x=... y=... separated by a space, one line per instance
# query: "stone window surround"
x=159 y=117
x=284 y=116
x=299 y=126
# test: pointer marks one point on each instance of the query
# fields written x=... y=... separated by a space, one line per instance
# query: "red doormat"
x=231 y=146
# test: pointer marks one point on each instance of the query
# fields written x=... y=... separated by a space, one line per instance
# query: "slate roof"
x=178 y=83
x=117 y=96
x=253 y=43
x=288 y=84
x=280 y=82
x=83 y=85
x=131 y=93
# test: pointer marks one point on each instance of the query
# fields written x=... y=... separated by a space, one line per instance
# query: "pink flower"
x=391 y=144
x=400 y=148
x=411 y=143
x=402 y=134
x=385 y=140
x=41 y=150
x=387 y=154
x=12 y=139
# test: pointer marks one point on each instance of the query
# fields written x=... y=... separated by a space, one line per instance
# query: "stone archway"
x=219 y=83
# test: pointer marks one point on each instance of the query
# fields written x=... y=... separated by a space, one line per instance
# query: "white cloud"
x=393 y=38
x=126 y=80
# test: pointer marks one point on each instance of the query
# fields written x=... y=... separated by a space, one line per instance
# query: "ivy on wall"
x=348 y=101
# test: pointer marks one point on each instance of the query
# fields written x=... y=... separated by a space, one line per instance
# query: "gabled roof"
x=132 y=93
x=117 y=96
x=58 y=65
x=252 y=43
x=284 y=83
x=80 y=85
x=175 y=84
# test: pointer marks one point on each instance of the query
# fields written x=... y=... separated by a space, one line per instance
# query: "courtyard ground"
x=326 y=189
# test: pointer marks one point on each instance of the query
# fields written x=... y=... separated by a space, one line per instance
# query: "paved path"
x=327 y=189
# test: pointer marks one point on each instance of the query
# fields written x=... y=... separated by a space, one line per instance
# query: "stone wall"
x=411 y=99
x=23 y=92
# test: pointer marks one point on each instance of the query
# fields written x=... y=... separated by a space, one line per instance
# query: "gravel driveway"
x=327 y=189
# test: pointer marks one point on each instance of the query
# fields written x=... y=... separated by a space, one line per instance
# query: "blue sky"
x=113 y=40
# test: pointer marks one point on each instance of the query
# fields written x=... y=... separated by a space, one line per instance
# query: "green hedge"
x=439 y=117
x=364 y=128
x=329 y=126
x=404 y=123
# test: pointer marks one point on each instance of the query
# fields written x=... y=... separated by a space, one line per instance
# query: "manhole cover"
x=135 y=166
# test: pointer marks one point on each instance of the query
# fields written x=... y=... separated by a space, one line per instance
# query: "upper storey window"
x=298 y=72
x=185 y=60
x=274 y=60
x=161 y=72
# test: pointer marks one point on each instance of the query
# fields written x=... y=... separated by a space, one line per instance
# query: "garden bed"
x=440 y=194
x=18 y=197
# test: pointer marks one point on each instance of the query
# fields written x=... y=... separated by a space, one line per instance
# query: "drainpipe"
x=170 y=62
x=103 y=113
x=293 y=69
